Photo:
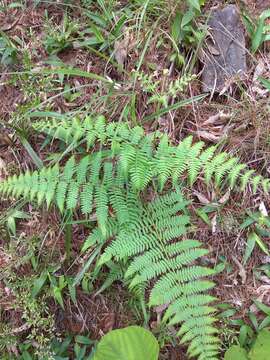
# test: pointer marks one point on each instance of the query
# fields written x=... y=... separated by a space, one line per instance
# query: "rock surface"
x=225 y=54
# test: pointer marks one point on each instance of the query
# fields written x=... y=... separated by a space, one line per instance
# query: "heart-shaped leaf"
x=131 y=343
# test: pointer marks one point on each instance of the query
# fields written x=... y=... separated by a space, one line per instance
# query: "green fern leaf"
x=69 y=169
x=72 y=195
x=61 y=191
x=101 y=198
x=245 y=178
x=212 y=166
x=194 y=162
x=235 y=173
x=86 y=199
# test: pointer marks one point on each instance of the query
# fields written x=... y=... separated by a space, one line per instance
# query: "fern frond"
x=82 y=170
x=235 y=173
x=212 y=166
x=179 y=160
x=69 y=169
x=246 y=178
x=72 y=196
x=138 y=153
x=223 y=169
x=86 y=198
x=101 y=198
x=161 y=166
x=194 y=162
x=170 y=264
x=152 y=235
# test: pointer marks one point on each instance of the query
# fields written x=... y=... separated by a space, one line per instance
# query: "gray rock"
x=225 y=54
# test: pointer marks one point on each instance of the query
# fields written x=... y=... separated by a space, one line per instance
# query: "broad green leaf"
x=261 y=244
x=187 y=18
x=254 y=320
x=265 y=82
x=203 y=215
x=195 y=4
x=248 y=25
x=248 y=221
x=72 y=292
x=34 y=156
x=86 y=266
x=235 y=352
x=58 y=297
x=265 y=14
x=131 y=343
x=243 y=335
x=265 y=323
x=38 y=283
x=176 y=27
x=175 y=106
x=257 y=39
x=11 y=224
x=264 y=308
x=261 y=348
x=251 y=241
x=84 y=340
x=26 y=356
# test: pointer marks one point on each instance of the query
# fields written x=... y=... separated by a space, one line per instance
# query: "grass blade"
x=34 y=156
x=251 y=241
x=74 y=72
x=86 y=266
x=175 y=106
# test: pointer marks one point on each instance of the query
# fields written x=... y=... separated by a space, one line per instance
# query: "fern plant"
x=149 y=240
x=120 y=163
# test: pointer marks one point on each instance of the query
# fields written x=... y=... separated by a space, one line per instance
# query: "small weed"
x=8 y=50
x=60 y=38
x=258 y=226
x=259 y=31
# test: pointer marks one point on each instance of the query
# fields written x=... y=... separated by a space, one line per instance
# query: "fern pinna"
x=108 y=181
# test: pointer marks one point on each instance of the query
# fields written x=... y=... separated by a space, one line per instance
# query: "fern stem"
x=68 y=235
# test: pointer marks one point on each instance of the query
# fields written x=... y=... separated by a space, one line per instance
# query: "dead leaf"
x=242 y=271
x=5 y=140
x=159 y=310
x=265 y=279
x=201 y=198
x=260 y=68
x=206 y=135
x=266 y=259
x=225 y=197
x=214 y=224
x=107 y=322
x=262 y=209
x=213 y=50
x=262 y=291
x=121 y=49
x=211 y=46
x=261 y=92
x=3 y=168
x=220 y=116
x=227 y=86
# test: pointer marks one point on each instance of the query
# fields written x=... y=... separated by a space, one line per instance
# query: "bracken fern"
x=121 y=162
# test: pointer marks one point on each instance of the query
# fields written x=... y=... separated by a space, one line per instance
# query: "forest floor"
x=36 y=38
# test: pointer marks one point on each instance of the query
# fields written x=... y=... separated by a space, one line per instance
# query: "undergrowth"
x=128 y=188
x=112 y=181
